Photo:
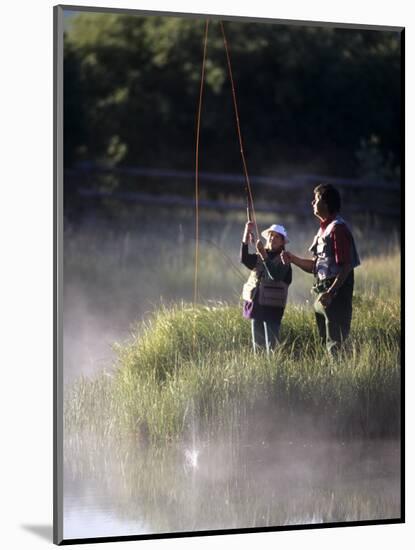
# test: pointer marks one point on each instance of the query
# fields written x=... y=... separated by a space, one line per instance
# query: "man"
x=334 y=259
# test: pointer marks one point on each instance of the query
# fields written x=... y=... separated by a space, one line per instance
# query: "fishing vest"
x=323 y=250
x=270 y=292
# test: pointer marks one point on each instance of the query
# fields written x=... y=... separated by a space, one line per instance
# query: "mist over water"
x=89 y=335
x=114 y=279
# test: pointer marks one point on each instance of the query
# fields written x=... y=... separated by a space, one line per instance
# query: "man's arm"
x=303 y=263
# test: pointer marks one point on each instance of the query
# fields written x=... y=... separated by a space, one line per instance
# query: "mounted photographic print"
x=228 y=316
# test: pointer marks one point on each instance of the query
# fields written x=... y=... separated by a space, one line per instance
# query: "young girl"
x=265 y=292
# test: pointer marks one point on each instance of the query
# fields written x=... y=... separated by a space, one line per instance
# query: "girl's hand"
x=248 y=232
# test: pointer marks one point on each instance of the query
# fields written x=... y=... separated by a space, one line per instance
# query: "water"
x=116 y=488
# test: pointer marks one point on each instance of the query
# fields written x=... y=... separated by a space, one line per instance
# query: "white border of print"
x=26 y=140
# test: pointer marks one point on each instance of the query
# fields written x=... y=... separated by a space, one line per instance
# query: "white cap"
x=277 y=229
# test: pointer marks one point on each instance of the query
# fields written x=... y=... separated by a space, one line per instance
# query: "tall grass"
x=184 y=365
x=130 y=270
x=194 y=364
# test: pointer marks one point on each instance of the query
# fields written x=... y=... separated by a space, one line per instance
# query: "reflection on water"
x=117 y=488
x=91 y=517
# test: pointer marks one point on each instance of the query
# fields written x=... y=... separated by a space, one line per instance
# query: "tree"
x=307 y=95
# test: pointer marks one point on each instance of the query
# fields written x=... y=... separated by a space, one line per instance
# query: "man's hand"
x=326 y=298
x=261 y=250
x=286 y=257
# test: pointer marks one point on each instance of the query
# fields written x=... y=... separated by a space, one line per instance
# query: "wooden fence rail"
x=226 y=191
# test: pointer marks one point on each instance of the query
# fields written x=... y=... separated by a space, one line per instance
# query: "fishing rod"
x=249 y=216
x=250 y=210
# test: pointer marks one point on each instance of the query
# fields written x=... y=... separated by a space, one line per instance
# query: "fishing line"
x=199 y=111
x=240 y=274
x=250 y=201
x=202 y=80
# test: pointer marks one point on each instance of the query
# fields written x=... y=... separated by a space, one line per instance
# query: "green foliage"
x=306 y=92
x=372 y=165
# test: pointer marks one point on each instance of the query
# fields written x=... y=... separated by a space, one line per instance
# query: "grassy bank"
x=193 y=367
